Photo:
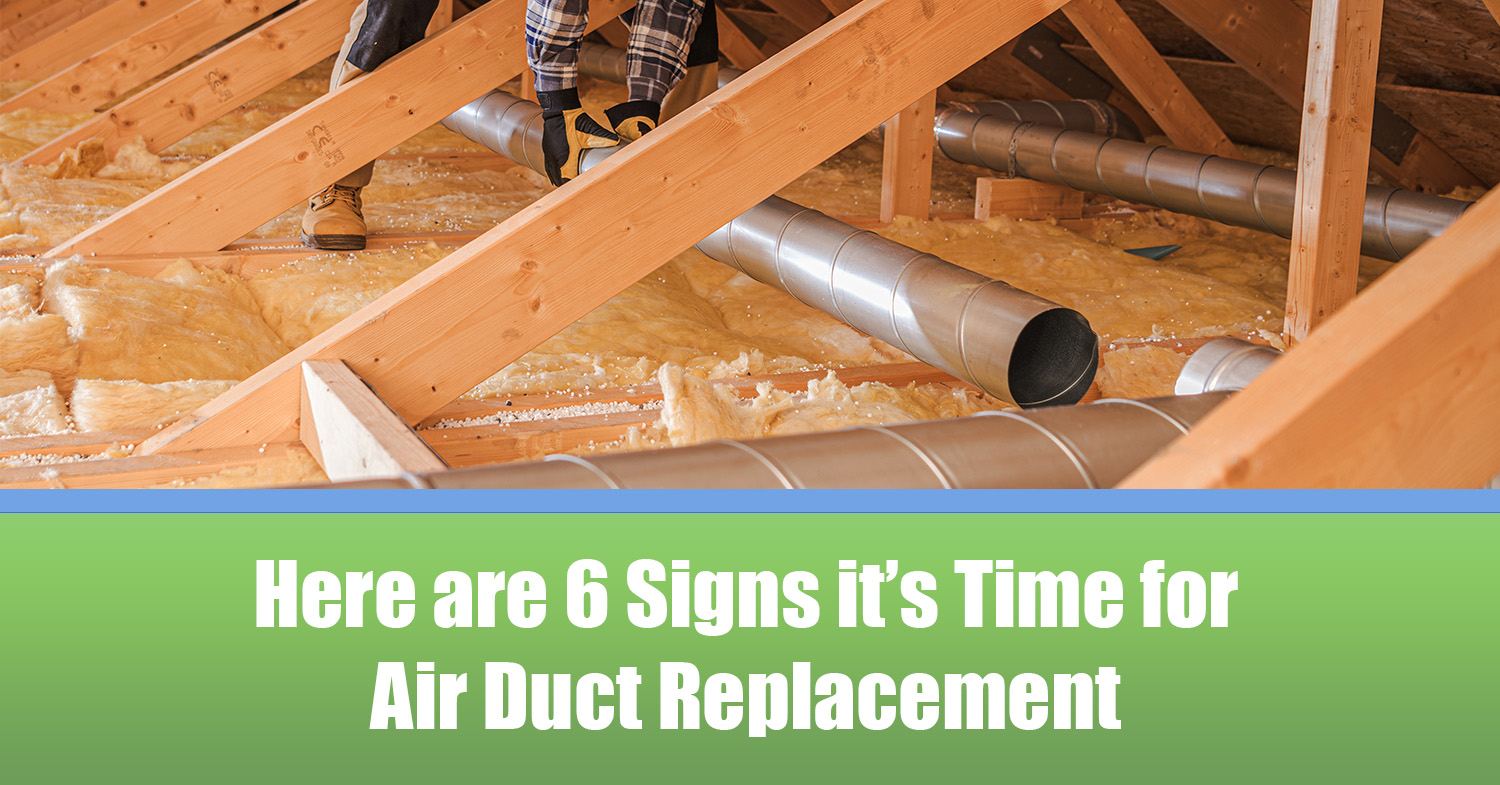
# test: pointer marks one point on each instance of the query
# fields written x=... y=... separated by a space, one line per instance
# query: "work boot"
x=334 y=220
x=567 y=133
x=632 y=119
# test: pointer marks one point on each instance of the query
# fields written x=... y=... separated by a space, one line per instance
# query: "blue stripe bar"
x=373 y=501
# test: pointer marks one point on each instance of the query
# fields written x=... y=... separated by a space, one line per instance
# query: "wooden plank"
x=85 y=37
x=737 y=47
x=1148 y=77
x=213 y=86
x=1333 y=161
x=481 y=444
x=256 y=180
x=72 y=443
x=442 y=17
x=1268 y=38
x=1025 y=199
x=1397 y=390
x=351 y=432
x=837 y=7
x=23 y=24
x=451 y=326
x=1494 y=6
x=118 y=69
x=616 y=32
x=906 y=166
x=808 y=15
x=140 y=471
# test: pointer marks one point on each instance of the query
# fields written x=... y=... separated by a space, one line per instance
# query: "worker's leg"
x=702 y=76
x=553 y=30
x=656 y=59
x=378 y=30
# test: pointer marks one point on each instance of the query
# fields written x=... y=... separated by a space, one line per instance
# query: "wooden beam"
x=1333 y=161
x=1147 y=76
x=807 y=15
x=124 y=66
x=837 y=7
x=1494 y=6
x=209 y=88
x=256 y=180
x=451 y=326
x=906 y=168
x=85 y=37
x=140 y=471
x=1268 y=38
x=1025 y=199
x=741 y=52
x=442 y=17
x=616 y=32
x=351 y=432
x=25 y=23
x=1397 y=390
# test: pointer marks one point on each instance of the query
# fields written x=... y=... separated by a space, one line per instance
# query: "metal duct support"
x=1224 y=365
x=1012 y=344
x=1092 y=446
x=1239 y=193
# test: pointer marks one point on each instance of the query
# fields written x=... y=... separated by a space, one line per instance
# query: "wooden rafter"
x=736 y=44
x=84 y=37
x=1397 y=390
x=451 y=326
x=25 y=23
x=351 y=433
x=209 y=88
x=806 y=15
x=117 y=69
x=1333 y=161
x=256 y=180
x=906 y=167
x=1268 y=38
x=1147 y=76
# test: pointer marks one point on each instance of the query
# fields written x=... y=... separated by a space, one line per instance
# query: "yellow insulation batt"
x=110 y=405
x=30 y=405
x=184 y=324
x=30 y=340
x=1139 y=372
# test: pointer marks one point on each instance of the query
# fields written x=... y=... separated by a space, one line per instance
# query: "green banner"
x=1187 y=647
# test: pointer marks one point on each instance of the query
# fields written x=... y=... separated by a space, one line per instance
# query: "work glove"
x=632 y=119
x=567 y=132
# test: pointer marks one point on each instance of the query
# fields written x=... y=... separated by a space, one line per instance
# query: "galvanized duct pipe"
x=1224 y=365
x=608 y=63
x=1238 y=193
x=1012 y=344
x=1093 y=446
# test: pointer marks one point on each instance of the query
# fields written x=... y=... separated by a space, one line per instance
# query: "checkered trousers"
x=659 y=39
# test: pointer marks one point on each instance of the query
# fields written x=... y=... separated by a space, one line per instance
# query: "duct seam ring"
x=598 y=472
x=895 y=299
x=786 y=480
x=1067 y=449
x=932 y=464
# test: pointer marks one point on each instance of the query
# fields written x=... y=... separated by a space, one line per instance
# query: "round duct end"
x=1054 y=360
x=1224 y=364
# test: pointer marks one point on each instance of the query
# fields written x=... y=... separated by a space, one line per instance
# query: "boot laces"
x=347 y=194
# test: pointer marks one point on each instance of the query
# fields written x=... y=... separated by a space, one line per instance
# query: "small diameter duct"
x=1224 y=365
x=1092 y=446
x=1012 y=344
x=1068 y=143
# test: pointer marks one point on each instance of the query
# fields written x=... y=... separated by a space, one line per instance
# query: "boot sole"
x=334 y=242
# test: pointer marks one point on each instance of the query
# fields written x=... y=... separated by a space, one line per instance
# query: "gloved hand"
x=632 y=119
x=567 y=132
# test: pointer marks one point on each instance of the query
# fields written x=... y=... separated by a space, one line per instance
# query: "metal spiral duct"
x=1224 y=365
x=1092 y=446
x=1238 y=193
x=1012 y=344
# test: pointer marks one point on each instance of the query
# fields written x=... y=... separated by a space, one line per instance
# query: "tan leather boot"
x=334 y=220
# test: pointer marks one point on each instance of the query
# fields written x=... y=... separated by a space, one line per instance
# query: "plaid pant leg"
x=553 y=30
x=659 y=41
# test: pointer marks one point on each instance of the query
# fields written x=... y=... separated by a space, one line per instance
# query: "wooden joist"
x=244 y=187
x=806 y=15
x=1025 y=199
x=737 y=47
x=82 y=38
x=26 y=22
x=214 y=85
x=1333 y=161
x=451 y=326
x=1397 y=390
x=906 y=166
x=124 y=66
x=1268 y=38
x=351 y=432
x=1148 y=77
x=141 y=471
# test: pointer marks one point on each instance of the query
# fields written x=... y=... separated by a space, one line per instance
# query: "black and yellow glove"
x=632 y=119
x=567 y=133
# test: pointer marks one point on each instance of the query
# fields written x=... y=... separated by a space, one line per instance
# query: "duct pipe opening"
x=1054 y=360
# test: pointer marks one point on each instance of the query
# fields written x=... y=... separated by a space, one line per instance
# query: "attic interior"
x=1142 y=243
